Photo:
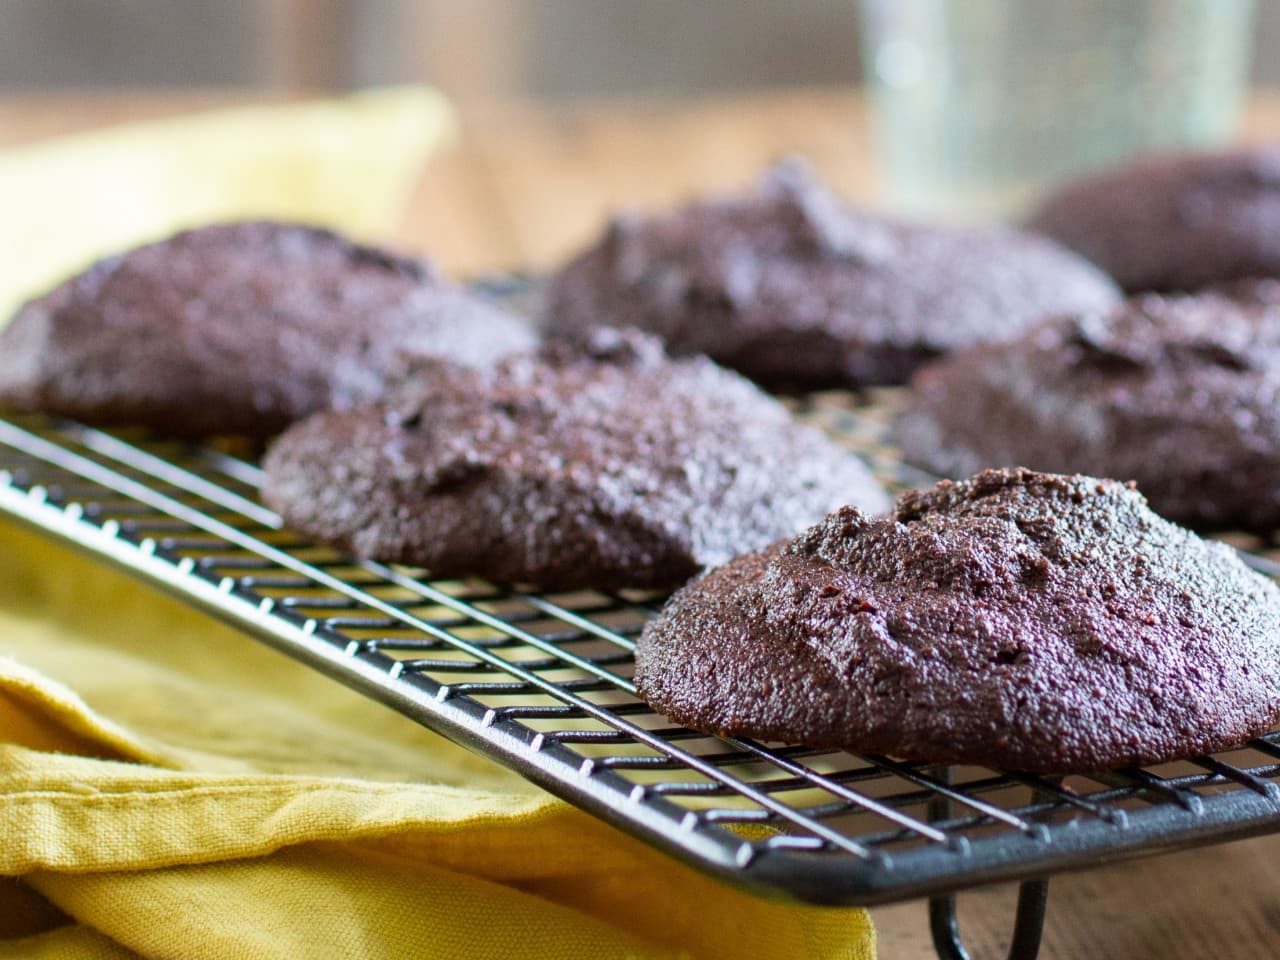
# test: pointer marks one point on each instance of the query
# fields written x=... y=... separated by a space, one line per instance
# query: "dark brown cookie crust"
x=796 y=290
x=1176 y=221
x=1181 y=394
x=592 y=464
x=1018 y=620
x=238 y=328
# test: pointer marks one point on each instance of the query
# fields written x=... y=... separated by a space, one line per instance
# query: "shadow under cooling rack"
x=543 y=684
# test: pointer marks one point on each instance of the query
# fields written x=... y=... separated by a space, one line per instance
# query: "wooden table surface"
x=527 y=184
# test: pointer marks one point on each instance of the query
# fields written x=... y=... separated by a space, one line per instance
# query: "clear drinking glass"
x=978 y=105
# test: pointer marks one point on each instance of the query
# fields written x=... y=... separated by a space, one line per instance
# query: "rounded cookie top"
x=1021 y=620
x=1181 y=394
x=238 y=328
x=597 y=462
x=795 y=289
x=1174 y=221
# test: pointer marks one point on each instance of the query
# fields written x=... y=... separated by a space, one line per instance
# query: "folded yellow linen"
x=349 y=163
x=171 y=788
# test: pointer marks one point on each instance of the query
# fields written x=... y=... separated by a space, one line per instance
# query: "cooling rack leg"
x=1028 y=924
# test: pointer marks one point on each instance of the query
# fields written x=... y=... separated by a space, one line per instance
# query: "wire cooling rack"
x=543 y=684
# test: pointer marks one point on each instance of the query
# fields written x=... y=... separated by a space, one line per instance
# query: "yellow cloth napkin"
x=199 y=795
x=171 y=788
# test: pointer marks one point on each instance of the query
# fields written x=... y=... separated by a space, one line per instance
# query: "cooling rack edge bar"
x=373 y=675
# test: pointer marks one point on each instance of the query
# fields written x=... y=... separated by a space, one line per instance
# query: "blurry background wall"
x=538 y=48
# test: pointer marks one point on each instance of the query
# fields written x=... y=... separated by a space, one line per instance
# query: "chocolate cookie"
x=796 y=290
x=1174 y=221
x=238 y=328
x=599 y=463
x=1257 y=290
x=1181 y=394
x=1018 y=619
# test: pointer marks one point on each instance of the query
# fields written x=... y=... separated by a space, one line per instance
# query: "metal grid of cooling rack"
x=542 y=683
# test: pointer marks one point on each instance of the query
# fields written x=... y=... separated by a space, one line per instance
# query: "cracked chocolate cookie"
x=238 y=328
x=1020 y=620
x=1174 y=221
x=796 y=290
x=1181 y=394
x=597 y=462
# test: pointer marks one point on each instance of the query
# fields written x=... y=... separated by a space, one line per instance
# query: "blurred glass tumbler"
x=979 y=105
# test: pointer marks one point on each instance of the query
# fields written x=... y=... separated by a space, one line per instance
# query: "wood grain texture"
x=1218 y=902
x=528 y=183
